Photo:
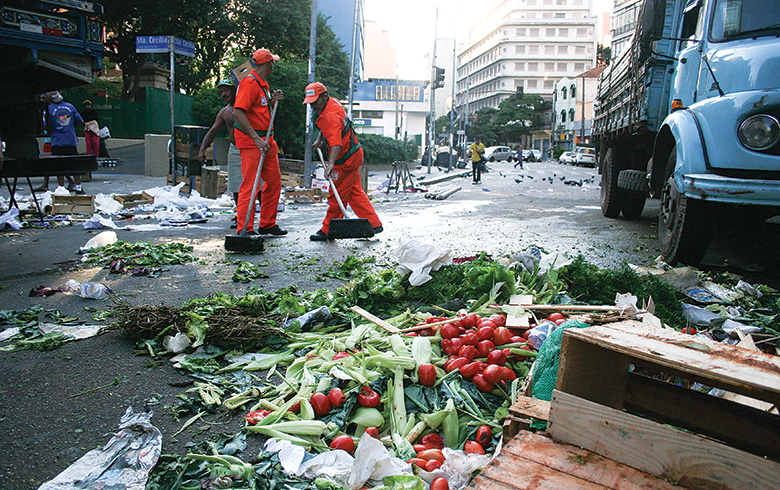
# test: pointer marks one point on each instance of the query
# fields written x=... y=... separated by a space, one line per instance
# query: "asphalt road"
x=49 y=413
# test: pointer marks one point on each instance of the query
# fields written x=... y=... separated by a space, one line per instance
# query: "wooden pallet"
x=303 y=195
x=292 y=180
x=613 y=396
x=534 y=462
x=79 y=204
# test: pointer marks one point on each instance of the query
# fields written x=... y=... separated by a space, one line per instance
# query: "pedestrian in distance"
x=519 y=156
x=91 y=129
x=60 y=121
x=227 y=91
x=344 y=158
x=477 y=154
x=252 y=117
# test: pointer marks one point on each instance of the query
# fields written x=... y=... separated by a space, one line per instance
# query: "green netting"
x=546 y=367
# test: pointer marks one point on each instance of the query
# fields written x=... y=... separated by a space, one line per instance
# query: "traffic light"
x=520 y=93
x=438 y=77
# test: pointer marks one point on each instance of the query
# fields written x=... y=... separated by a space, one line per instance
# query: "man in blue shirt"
x=61 y=118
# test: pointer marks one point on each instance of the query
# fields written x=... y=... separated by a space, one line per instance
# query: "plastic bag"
x=104 y=133
x=100 y=240
x=420 y=259
x=90 y=290
x=123 y=463
x=10 y=218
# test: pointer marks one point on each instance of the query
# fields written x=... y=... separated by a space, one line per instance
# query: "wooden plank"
x=523 y=320
x=581 y=463
x=658 y=449
x=738 y=425
x=742 y=371
x=374 y=319
x=530 y=407
x=592 y=372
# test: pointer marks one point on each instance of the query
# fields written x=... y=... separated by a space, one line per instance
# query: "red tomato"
x=367 y=397
x=446 y=346
x=485 y=347
x=420 y=463
x=418 y=448
x=499 y=319
x=470 y=320
x=493 y=374
x=411 y=334
x=432 y=465
x=427 y=374
x=469 y=370
x=296 y=408
x=485 y=332
x=321 y=404
x=340 y=355
x=487 y=323
x=456 y=363
x=484 y=435
x=482 y=383
x=343 y=442
x=554 y=317
x=689 y=330
x=433 y=441
x=373 y=432
x=469 y=338
x=496 y=357
x=431 y=454
x=450 y=331
x=336 y=397
x=440 y=484
x=507 y=374
x=473 y=447
x=517 y=339
x=526 y=334
x=502 y=336
x=468 y=351
x=252 y=418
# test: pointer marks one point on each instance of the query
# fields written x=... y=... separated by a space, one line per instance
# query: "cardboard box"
x=241 y=71
x=73 y=204
x=321 y=184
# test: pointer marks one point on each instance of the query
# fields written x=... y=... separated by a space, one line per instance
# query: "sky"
x=411 y=23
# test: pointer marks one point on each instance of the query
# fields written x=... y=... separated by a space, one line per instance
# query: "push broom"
x=243 y=242
x=346 y=227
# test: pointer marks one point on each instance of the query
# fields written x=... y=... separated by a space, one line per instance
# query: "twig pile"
x=146 y=321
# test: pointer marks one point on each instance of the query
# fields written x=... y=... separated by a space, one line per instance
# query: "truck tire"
x=634 y=205
x=684 y=228
x=611 y=196
x=633 y=181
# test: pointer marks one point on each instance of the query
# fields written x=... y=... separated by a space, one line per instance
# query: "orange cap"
x=313 y=91
x=262 y=55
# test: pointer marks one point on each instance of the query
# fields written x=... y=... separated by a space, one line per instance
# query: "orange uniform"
x=254 y=98
x=337 y=130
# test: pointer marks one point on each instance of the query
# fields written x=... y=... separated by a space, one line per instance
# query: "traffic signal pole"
x=431 y=121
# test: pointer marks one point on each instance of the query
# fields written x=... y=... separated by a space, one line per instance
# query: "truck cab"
x=701 y=126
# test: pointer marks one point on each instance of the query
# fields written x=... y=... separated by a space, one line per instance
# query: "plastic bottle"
x=539 y=333
x=91 y=290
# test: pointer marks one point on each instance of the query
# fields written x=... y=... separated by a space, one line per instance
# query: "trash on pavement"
x=420 y=259
x=107 y=204
x=90 y=290
x=97 y=221
x=78 y=332
x=123 y=463
x=101 y=240
x=10 y=218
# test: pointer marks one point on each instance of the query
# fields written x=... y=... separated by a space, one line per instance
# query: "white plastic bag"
x=104 y=133
x=100 y=240
x=420 y=259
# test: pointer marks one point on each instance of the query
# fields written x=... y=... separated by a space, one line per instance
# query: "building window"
x=571 y=115
x=520 y=49
x=533 y=49
x=563 y=50
x=368 y=114
x=563 y=93
x=549 y=50
x=531 y=84
x=579 y=67
x=533 y=66
x=579 y=49
x=547 y=15
x=563 y=32
x=560 y=15
x=534 y=32
x=520 y=32
x=549 y=32
x=573 y=91
x=560 y=2
x=582 y=32
x=518 y=83
x=549 y=84
x=520 y=66
x=563 y=116
x=549 y=67
x=562 y=67
x=548 y=2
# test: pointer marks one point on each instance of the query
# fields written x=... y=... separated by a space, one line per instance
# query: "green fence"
x=126 y=119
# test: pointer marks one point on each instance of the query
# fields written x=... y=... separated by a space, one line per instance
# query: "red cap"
x=313 y=91
x=262 y=55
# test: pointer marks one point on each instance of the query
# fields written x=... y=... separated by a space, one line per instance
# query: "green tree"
x=603 y=55
x=483 y=126
x=332 y=63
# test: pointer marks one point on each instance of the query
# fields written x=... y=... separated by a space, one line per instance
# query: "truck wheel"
x=684 y=229
x=633 y=181
x=634 y=205
x=611 y=195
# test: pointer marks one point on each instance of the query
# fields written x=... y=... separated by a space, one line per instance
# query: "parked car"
x=585 y=156
x=537 y=155
x=567 y=158
x=498 y=153
x=528 y=156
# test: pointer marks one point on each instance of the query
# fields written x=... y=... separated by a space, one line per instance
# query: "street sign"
x=183 y=47
x=151 y=44
x=461 y=131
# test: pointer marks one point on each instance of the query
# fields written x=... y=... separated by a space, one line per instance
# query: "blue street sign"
x=184 y=47
x=361 y=122
x=151 y=44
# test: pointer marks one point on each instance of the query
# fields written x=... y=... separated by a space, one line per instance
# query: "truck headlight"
x=759 y=132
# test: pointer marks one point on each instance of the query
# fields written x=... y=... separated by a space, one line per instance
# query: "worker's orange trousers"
x=272 y=187
x=347 y=179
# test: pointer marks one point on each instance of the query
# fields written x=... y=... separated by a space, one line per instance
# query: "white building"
x=573 y=108
x=528 y=44
x=624 y=16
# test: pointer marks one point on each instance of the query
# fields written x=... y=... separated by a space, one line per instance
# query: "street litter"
x=442 y=193
x=10 y=218
x=124 y=462
x=98 y=221
x=100 y=240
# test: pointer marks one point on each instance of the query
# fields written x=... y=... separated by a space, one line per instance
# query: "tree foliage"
x=508 y=123
x=381 y=149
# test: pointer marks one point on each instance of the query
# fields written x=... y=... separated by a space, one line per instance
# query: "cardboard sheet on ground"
x=79 y=332
x=124 y=463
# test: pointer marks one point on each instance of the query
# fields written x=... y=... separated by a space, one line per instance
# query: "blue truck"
x=45 y=45
x=690 y=114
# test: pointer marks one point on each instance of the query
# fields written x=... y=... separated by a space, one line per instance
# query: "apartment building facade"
x=572 y=111
x=624 y=16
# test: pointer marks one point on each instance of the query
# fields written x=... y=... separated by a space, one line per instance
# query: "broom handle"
x=333 y=187
x=259 y=169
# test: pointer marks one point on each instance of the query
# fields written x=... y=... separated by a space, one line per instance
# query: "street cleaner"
x=344 y=158
x=227 y=90
x=252 y=116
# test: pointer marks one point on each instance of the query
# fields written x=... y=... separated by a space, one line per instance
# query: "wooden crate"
x=213 y=182
x=292 y=180
x=613 y=396
x=189 y=182
x=133 y=200
x=534 y=462
x=521 y=412
x=303 y=195
x=73 y=204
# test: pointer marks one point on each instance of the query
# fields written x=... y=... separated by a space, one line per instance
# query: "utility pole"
x=308 y=167
x=432 y=122
x=582 y=122
x=397 y=127
x=353 y=57
x=452 y=106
